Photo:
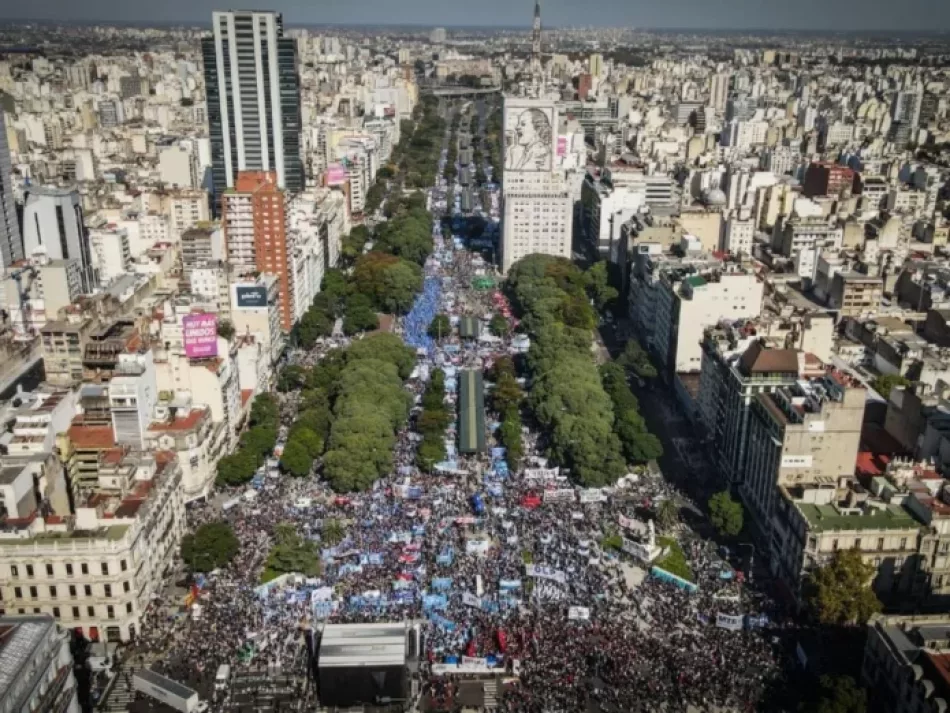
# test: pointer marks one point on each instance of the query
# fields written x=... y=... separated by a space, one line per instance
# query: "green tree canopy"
x=385 y=347
x=840 y=591
x=838 y=694
x=725 y=514
x=499 y=325
x=884 y=383
x=296 y=459
x=440 y=327
x=291 y=378
x=360 y=315
x=635 y=358
x=226 y=329
x=390 y=282
x=211 y=546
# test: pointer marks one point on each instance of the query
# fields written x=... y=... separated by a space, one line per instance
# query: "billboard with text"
x=200 y=335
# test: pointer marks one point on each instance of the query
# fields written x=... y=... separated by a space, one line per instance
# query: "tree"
x=838 y=694
x=840 y=592
x=884 y=383
x=635 y=359
x=236 y=469
x=264 y=410
x=725 y=514
x=332 y=532
x=506 y=395
x=440 y=327
x=291 y=378
x=211 y=546
x=390 y=282
x=667 y=515
x=360 y=316
x=499 y=325
x=309 y=439
x=296 y=460
x=226 y=329
x=509 y=433
x=599 y=287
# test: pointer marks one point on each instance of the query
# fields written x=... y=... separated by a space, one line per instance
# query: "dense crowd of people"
x=506 y=563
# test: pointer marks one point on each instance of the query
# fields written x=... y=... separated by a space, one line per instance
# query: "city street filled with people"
x=510 y=567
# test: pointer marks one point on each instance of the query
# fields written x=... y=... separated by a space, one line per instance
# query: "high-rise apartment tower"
x=11 y=247
x=253 y=99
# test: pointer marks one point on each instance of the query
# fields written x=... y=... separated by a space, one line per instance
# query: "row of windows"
x=73 y=591
x=70 y=570
x=76 y=611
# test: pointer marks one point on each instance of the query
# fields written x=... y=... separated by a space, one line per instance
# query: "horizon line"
x=447 y=26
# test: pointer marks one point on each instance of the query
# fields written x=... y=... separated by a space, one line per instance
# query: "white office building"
x=538 y=209
x=53 y=225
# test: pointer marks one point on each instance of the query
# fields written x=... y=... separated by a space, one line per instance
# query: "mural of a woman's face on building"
x=524 y=130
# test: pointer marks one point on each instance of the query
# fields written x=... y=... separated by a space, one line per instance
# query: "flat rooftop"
x=823 y=518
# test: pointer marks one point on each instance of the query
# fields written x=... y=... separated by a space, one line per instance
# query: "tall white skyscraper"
x=11 y=247
x=538 y=211
x=718 y=91
x=253 y=99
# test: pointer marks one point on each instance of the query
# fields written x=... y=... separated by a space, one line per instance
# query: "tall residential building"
x=719 y=91
x=254 y=217
x=36 y=668
x=804 y=434
x=735 y=368
x=538 y=210
x=11 y=247
x=53 y=224
x=673 y=300
x=253 y=99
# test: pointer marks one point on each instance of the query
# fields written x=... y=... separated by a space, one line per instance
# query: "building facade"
x=253 y=95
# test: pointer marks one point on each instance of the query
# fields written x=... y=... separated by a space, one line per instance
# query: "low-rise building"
x=98 y=569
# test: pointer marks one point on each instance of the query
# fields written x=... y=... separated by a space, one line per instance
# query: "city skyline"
x=748 y=15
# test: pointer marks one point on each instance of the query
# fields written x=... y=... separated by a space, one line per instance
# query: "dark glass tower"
x=253 y=95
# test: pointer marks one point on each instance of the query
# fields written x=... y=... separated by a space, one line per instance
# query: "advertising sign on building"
x=200 y=335
x=250 y=296
x=336 y=174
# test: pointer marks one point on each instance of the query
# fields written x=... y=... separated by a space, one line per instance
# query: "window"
x=18 y=592
x=105 y=568
x=33 y=593
x=125 y=587
x=49 y=570
x=84 y=568
x=123 y=565
x=880 y=543
x=69 y=570
x=108 y=590
x=56 y=612
x=87 y=590
x=14 y=571
x=903 y=543
x=110 y=612
x=91 y=611
x=857 y=544
x=29 y=570
x=834 y=545
x=72 y=591
x=75 y=612
x=52 y=592
x=128 y=607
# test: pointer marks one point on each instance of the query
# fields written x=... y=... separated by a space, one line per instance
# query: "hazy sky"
x=718 y=14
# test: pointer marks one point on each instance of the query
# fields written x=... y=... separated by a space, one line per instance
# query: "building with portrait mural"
x=537 y=205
